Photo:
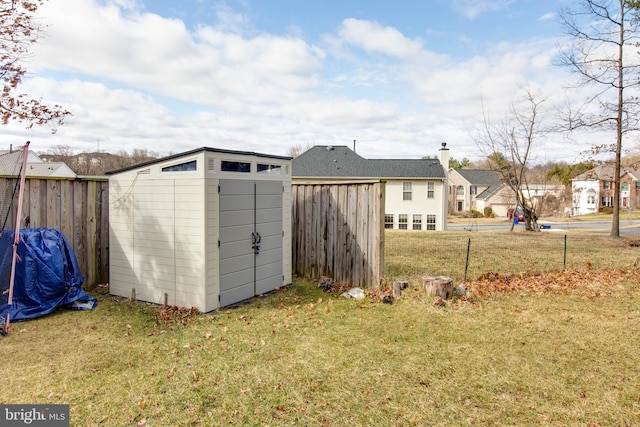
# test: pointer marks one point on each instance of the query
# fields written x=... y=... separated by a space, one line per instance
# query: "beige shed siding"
x=189 y=241
x=164 y=228
x=153 y=236
x=121 y=276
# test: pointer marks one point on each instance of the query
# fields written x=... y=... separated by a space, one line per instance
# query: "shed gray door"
x=269 y=228
x=250 y=238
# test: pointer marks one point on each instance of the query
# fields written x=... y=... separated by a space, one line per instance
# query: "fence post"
x=565 y=252
x=466 y=265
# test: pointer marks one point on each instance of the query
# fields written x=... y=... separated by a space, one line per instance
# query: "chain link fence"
x=10 y=165
x=468 y=255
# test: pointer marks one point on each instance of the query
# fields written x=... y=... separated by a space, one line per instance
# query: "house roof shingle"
x=324 y=161
x=490 y=191
x=480 y=176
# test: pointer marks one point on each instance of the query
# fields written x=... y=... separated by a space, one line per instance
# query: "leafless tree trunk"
x=508 y=146
x=604 y=54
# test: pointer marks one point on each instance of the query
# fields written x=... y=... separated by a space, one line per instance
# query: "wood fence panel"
x=339 y=232
x=66 y=208
x=352 y=230
x=342 y=235
x=79 y=209
x=331 y=230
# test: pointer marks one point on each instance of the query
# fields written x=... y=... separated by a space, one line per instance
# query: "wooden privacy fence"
x=338 y=231
x=77 y=207
x=337 y=228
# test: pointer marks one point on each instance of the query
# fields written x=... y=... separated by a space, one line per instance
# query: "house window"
x=417 y=222
x=460 y=190
x=431 y=190
x=607 y=201
x=591 y=197
x=402 y=221
x=606 y=185
x=624 y=186
x=473 y=189
x=431 y=222
x=227 y=166
x=637 y=185
x=388 y=221
x=181 y=167
x=406 y=191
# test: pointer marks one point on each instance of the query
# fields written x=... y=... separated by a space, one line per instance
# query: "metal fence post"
x=565 y=252
x=466 y=265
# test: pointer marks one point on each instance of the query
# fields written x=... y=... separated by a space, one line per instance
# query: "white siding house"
x=595 y=189
x=11 y=163
x=205 y=228
x=415 y=189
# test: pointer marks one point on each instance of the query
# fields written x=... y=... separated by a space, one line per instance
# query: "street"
x=627 y=227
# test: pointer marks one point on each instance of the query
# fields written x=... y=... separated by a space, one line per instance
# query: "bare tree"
x=18 y=31
x=509 y=145
x=97 y=163
x=603 y=53
x=296 y=150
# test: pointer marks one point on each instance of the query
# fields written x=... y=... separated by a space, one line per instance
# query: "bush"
x=476 y=214
x=606 y=209
x=488 y=212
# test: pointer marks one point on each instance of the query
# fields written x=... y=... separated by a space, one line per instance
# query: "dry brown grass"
x=551 y=349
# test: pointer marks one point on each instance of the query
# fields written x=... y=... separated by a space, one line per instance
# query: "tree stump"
x=398 y=286
x=438 y=286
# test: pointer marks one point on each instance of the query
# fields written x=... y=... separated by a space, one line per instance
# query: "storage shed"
x=206 y=228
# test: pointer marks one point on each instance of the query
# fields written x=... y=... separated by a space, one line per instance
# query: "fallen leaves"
x=172 y=315
x=581 y=283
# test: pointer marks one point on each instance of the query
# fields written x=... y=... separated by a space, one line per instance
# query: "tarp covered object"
x=46 y=275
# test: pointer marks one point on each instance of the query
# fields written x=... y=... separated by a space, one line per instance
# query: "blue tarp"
x=46 y=275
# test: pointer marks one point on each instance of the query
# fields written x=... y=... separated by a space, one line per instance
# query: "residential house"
x=595 y=189
x=11 y=163
x=465 y=185
x=499 y=198
x=415 y=189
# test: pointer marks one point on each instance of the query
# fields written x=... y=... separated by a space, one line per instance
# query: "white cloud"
x=373 y=37
x=472 y=8
x=547 y=16
x=138 y=80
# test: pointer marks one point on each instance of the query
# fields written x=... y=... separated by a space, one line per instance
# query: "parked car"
x=519 y=213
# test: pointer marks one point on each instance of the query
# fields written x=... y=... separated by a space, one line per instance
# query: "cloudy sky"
x=399 y=77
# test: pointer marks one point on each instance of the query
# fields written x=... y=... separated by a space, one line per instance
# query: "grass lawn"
x=551 y=349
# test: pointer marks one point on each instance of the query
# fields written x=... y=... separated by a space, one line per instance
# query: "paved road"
x=627 y=227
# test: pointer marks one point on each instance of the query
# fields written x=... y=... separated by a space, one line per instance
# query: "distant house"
x=478 y=189
x=11 y=163
x=595 y=189
x=415 y=189
x=465 y=185
x=497 y=197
